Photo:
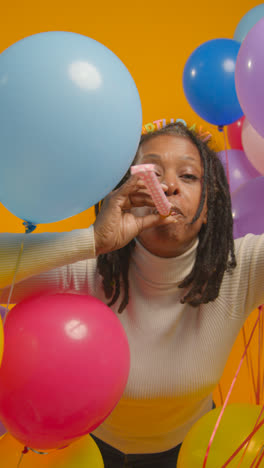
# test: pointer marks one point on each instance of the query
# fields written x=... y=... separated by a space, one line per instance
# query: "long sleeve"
x=242 y=290
x=42 y=253
x=77 y=277
x=178 y=352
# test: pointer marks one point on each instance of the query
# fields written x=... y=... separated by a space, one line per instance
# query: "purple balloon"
x=248 y=209
x=249 y=76
x=240 y=169
x=2 y=311
x=2 y=429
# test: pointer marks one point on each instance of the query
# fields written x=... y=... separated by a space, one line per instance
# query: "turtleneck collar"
x=162 y=270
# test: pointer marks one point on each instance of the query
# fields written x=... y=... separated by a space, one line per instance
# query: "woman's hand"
x=118 y=223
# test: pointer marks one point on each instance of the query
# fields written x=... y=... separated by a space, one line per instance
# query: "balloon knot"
x=29 y=227
x=36 y=451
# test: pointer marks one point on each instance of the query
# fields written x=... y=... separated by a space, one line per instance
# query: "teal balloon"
x=70 y=124
x=248 y=21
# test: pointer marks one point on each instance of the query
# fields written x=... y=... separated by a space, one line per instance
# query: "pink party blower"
x=147 y=173
x=65 y=367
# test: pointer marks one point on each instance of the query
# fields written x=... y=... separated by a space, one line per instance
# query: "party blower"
x=147 y=173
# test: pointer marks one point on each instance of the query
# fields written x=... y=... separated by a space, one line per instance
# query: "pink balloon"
x=65 y=367
x=249 y=76
x=253 y=144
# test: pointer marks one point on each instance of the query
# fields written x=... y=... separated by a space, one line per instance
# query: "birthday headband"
x=161 y=123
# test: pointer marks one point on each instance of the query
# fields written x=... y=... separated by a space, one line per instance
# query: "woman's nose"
x=172 y=187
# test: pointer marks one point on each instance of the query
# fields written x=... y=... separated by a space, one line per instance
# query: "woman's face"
x=178 y=166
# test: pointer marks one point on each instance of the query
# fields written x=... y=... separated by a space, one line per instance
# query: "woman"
x=181 y=288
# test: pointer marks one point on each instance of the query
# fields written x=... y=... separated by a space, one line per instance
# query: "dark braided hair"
x=215 y=251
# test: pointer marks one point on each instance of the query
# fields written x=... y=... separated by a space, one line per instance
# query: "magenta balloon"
x=240 y=170
x=249 y=76
x=65 y=367
x=248 y=209
x=253 y=144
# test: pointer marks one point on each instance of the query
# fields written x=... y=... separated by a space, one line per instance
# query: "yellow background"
x=154 y=39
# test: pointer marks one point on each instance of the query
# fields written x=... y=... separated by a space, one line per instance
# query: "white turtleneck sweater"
x=178 y=352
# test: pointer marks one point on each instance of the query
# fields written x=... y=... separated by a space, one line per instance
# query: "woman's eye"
x=158 y=172
x=189 y=177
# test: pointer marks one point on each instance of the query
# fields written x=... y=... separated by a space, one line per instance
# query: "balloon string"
x=262 y=388
x=36 y=451
x=249 y=437
x=262 y=342
x=262 y=349
x=248 y=443
x=243 y=443
x=261 y=457
x=226 y=155
x=21 y=456
x=229 y=393
x=256 y=457
x=26 y=450
x=29 y=227
x=20 y=460
x=221 y=128
x=259 y=453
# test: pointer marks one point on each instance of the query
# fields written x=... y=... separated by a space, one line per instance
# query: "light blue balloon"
x=70 y=124
x=248 y=21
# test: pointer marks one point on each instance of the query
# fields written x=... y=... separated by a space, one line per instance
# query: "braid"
x=215 y=251
x=216 y=242
x=111 y=267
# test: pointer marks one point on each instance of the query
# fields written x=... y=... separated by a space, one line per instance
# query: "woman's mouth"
x=175 y=211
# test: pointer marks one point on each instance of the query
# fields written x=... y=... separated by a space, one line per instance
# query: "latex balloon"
x=2 y=430
x=83 y=453
x=234 y=131
x=1 y=340
x=247 y=209
x=249 y=76
x=240 y=170
x=2 y=311
x=248 y=21
x=209 y=81
x=65 y=367
x=70 y=125
x=237 y=423
x=254 y=146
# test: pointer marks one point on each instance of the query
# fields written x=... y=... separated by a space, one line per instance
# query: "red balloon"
x=65 y=367
x=234 y=131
